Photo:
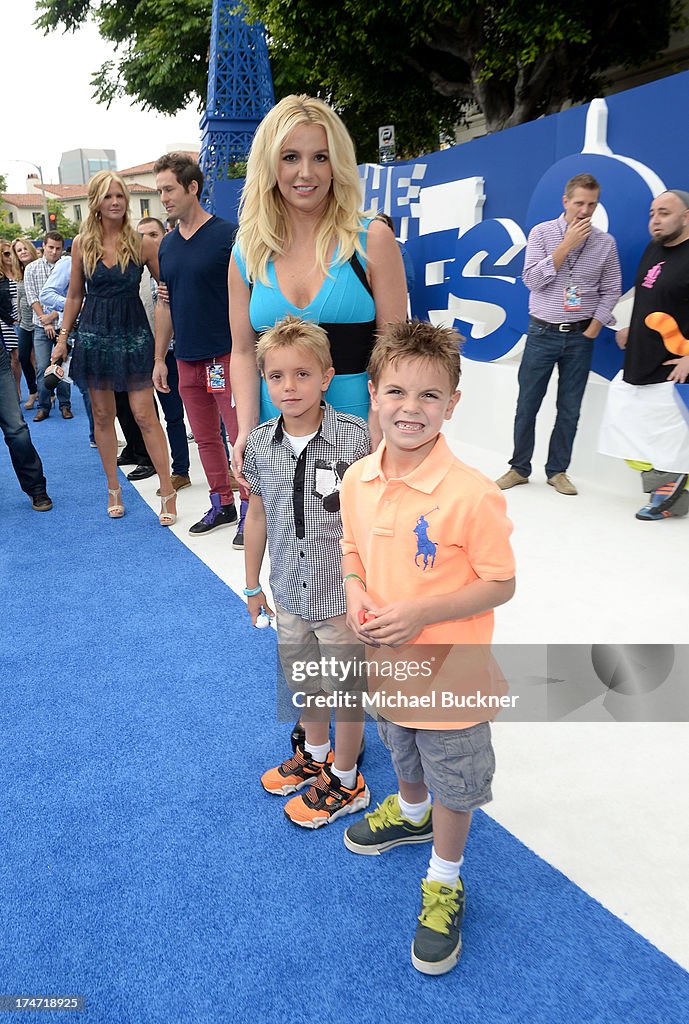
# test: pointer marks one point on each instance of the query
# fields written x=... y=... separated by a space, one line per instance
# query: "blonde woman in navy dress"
x=114 y=345
x=304 y=247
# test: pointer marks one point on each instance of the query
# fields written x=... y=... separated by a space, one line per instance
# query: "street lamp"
x=40 y=176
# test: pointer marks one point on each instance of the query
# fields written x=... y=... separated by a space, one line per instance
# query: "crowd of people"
x=287 y=337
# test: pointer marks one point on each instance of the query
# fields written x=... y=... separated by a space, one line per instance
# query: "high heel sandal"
x=167 y=518
x=116 y=511
x=31 y=401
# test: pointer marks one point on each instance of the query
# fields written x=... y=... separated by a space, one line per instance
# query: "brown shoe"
x=179 y=482
x=562 y=484
x=41 y=415
x=66 y=413
x=510 y=479
x=31 y=401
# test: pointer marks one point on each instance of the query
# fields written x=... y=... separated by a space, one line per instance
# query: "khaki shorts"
x=457 y=765
x=329 y=644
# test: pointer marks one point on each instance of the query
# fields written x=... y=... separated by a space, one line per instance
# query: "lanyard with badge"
x=572 y=297
x=215 y=378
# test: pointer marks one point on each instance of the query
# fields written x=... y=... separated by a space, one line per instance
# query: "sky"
x=53 y=72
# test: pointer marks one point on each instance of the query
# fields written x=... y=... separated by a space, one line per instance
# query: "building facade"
x=77 y=166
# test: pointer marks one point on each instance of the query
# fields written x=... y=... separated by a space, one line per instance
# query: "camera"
x=53 y=375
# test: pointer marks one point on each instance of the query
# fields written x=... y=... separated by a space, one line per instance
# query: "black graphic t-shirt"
x=662 y=288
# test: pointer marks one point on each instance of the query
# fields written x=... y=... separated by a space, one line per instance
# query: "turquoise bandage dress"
x=344 y=308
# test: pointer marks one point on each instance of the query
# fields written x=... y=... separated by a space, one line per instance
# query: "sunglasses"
x=7 y=254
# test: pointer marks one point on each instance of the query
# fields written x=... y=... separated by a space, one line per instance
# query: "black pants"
x=135 y=449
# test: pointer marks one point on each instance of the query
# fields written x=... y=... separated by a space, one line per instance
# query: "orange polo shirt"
x=429 y=533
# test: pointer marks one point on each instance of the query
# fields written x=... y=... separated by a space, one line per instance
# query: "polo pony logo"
x=424 y=545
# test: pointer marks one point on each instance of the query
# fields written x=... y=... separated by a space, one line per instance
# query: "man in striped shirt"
x=572 y=270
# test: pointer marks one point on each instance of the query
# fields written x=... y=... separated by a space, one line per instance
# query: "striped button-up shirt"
x=302 y=504
x=35 y=276
x=593 y=267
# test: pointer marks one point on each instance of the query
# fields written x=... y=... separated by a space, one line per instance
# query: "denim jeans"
x=25 y=349
x=43 y=347
x=89 y=411
x=25 y=459
x=546 y=348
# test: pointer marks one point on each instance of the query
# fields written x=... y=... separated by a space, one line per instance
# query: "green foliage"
x=8 y=232
x=162 y=47
x=417 y=64
x=237 y=170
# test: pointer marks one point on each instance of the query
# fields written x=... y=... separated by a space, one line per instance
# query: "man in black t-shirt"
x=644 y=420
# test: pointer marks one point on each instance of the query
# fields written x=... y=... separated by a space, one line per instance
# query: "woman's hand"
x=60 y=350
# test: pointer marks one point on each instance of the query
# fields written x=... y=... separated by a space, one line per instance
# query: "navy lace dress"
x=114 y=346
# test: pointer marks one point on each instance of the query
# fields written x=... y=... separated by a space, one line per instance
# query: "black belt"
x=566 y=328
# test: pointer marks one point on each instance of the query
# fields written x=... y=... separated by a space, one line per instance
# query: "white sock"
x=444 y=871
x=318 y=753
x=347 y=778
x=414 y=812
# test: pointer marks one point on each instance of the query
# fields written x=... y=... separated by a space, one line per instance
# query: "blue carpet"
x=144 y=868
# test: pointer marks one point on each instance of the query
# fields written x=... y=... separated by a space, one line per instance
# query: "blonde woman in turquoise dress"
x=305 y=247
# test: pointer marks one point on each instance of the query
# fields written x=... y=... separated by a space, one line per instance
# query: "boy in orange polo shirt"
x=426 y=559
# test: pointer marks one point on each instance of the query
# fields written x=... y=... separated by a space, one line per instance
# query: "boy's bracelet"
x=253 y=591
x=354 y=576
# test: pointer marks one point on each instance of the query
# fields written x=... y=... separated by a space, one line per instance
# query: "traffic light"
x=52 y=221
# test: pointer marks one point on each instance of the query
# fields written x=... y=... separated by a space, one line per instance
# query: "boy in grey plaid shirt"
x=294 y=465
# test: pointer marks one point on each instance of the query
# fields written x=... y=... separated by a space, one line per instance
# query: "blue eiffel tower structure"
x=240 y=94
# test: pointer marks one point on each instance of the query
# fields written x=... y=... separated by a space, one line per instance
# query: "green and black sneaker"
x=438 y=940
x=385 y=827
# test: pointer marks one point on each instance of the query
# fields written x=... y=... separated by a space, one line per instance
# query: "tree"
x=8 y=232
x=162 y=47
x=420 y=64
x=514 y=60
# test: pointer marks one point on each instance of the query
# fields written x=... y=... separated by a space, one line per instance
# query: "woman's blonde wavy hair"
x=17 y=265
x=91 y=235
x=264 y=229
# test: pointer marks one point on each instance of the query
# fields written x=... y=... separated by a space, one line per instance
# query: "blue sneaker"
x=663 y=499
x=238 y=542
